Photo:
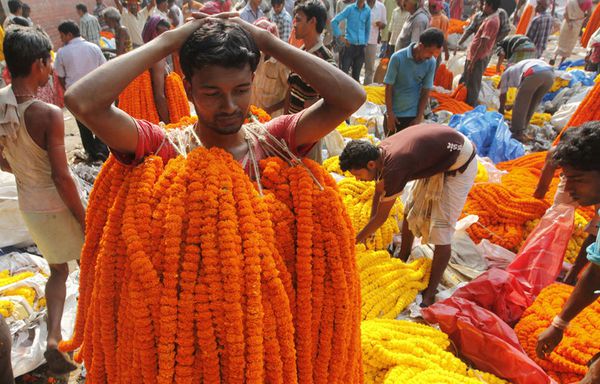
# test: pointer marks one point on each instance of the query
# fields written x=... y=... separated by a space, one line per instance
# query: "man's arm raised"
x=341 y=95
x=91 y=98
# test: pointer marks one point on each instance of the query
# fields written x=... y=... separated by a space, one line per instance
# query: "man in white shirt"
x=175 y=14
x=73 y=61
x=134 y=18
x=161 y=9
x=378 y=22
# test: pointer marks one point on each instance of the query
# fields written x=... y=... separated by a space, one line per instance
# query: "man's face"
x=221 y=97
x=583 y=186
x=400 y=3
x=302 y=25
x=365 y=174
x=163 y=7
x=424 y=53
x=410 y=6
x=99 y=2
x=278 y=8
x=487 y=9
x=133 y=7
x=64 y=38
x=79 y=13
x=255 y=3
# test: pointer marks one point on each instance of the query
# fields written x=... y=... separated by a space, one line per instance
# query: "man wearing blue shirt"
x=408 y=80
x=358 y=27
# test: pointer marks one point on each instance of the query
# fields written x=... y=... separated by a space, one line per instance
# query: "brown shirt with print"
x=418 y=152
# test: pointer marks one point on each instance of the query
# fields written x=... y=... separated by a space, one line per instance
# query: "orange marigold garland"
x=581 y=341
x=138 y=100
x=179 y=106
x=525 y=20
x=592 y=26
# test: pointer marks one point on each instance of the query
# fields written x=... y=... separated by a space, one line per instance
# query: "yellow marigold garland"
x=389 y=285
x=405 y=352
x=358 y=198
x=375 y=94
x=567 y=363
x=358 y=131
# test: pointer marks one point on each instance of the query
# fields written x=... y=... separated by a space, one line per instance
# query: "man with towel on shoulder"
x=440 y=161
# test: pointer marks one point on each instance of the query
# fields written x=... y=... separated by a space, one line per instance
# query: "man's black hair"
x=580 y=148
x=160 y=1
x=495 y=4
x=316 y=9
x=220 y=43
x=14 y=6
x=357 y=155
x=19 y=20
x=276 y=2
x=81 y=7
x=22 y=47
x=69 y=26
x=432 y=37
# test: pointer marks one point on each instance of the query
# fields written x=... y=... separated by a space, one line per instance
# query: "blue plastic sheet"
x=581 y=77
x=490 y=133
x=569 y=64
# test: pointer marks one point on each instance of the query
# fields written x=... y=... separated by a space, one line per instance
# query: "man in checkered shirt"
x=541 y=27
x=282 y=19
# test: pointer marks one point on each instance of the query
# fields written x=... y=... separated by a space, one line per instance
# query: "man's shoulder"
x=44 y=115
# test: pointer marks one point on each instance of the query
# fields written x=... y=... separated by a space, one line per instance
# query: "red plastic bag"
x=539 y=261
x=486 y=340
x=497 y=291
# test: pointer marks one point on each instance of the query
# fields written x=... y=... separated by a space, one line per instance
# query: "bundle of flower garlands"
x=456 y=26
x=389 y=285
x=358 y=131
x=332 y=165
x=592 y=26
x=358 y=198
x=189 y=275
x=581 y=341
x=538 y=118
x=453 y=102
x=443 y=77
x=525 y=19
x=138 y=99
x=587 y=110
x=375 y=94
x=404 y=352
x=15 y=297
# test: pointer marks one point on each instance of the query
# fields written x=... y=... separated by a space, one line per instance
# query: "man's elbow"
x=75 y=103
x=61 y=177
x=357 y=98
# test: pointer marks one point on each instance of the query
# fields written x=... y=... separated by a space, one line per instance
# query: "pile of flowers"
x=375 y=94
x=453 y=102
x=581 y=341
x=389 y=285
x=18 y=299
x=358 y=199
x=538 y=118
x=592 y=26
x=358 y=131
x=443 y=77
x=138 y=98
x=456 y=26
x=409 y=353
x=208 y=281
x=587 y=110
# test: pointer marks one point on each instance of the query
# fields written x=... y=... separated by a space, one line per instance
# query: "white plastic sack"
x=371 y=115
x=13 y=231
x=29 y=336
x=334 y=142
x=495 y=255
x=456 y=64
x=562 y=116
x=17 y=262
x=494 y=174
x=489 y=96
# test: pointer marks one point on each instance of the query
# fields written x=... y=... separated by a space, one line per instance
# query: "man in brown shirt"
x=440 y=161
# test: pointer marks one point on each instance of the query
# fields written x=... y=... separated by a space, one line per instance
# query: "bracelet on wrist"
x=559 y=323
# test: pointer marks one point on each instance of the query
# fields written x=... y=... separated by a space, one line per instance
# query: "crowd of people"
x=304 y=63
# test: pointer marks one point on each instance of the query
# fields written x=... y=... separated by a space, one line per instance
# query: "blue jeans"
x=353 y=56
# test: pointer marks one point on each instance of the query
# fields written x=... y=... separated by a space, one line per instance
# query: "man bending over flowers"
x=440 y=160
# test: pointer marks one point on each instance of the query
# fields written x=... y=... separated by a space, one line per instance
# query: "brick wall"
x=49 y=13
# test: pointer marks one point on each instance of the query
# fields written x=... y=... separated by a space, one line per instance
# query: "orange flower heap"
x=208 y=282
x=323 y=267
x=189 y=301
x=179 y=106
x=581 y=341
